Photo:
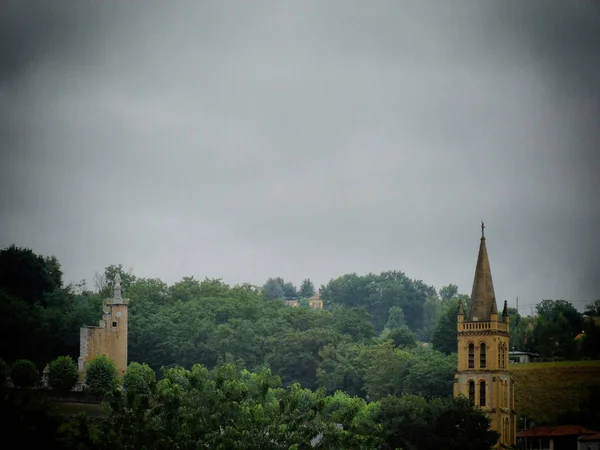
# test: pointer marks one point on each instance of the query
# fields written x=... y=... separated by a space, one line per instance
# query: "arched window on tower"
x=482 y=393
x=471 y=356
x=506 y=431
x=472 y=391
x=482 y=356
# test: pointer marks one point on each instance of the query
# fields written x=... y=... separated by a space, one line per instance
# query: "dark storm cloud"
x=307 y=139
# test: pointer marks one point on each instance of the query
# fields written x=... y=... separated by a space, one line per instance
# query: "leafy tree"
x=589 y=344
x=402 y=337
x=295 y=355
x=273 y=289
x=448 y=292
x=432 y=309
x=139 y=378
x=23 y=373
x=444 y=336
x=62 y=374
x=521 y=335
x=556 y=325
x=431 y=374
x=395 y=318
x=386 y=367
x=230 y=408
x=593 y=309
x=101 y=375
x=289 y=290
x=410 y=422
x=342 y=367
x=457 y=424
x=28 y=276
x=354 y=322
x=307 y=289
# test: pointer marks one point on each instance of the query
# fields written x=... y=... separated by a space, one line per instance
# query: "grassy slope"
x=544 y=390
x=73 y=409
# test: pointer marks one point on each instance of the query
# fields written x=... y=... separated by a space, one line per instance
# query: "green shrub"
x=139 y=378
x=4 y=370
x=101 y=375
x=23 y=373
x=62 y=374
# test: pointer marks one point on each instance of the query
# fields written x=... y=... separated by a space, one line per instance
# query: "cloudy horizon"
x=308 y=140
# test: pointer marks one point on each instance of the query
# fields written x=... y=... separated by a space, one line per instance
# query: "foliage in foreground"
x=101 y=375
x=62 y=374
x=231 y=408
x=139 y=378
x=23 y=373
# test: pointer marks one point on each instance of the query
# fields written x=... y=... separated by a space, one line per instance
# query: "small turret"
x=494 y=311
x=505 y=316
x=460 y=314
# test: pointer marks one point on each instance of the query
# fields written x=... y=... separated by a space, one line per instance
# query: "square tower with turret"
x=483 y=338
x=110 y=336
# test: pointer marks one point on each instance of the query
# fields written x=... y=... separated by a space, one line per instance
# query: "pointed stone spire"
x=483 y=298
x=117 y=288
x=505 y=309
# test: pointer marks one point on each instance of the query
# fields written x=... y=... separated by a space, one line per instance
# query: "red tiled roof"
x=595 y=437
x=561 y=430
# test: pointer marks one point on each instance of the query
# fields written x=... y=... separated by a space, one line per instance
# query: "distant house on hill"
x=522 y=357
x=561 y=437
x=315 y=302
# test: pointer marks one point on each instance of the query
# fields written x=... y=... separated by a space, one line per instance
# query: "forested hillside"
x=367 y=342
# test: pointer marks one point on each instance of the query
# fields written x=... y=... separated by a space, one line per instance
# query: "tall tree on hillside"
x=378 y=293
x=395 y=318
x=444 y=335
x=432 y=309
x=273 y=289
x=28 y=276
x=593 y=309
x=448 y=292
x=37 y=311
x=307 y=289
x=289 y=290
x=556 y=325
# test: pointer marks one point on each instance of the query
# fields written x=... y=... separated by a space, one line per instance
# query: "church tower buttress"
x=483 y=338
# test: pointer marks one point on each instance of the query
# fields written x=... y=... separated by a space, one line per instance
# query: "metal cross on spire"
x=482 y=228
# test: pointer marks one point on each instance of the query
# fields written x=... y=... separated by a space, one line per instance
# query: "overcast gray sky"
x=244 y=140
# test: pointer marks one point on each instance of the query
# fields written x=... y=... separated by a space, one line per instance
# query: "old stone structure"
x=110 y=337
x=483 y=343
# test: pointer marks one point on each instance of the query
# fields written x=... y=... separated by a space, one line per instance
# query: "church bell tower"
x=483 y=338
